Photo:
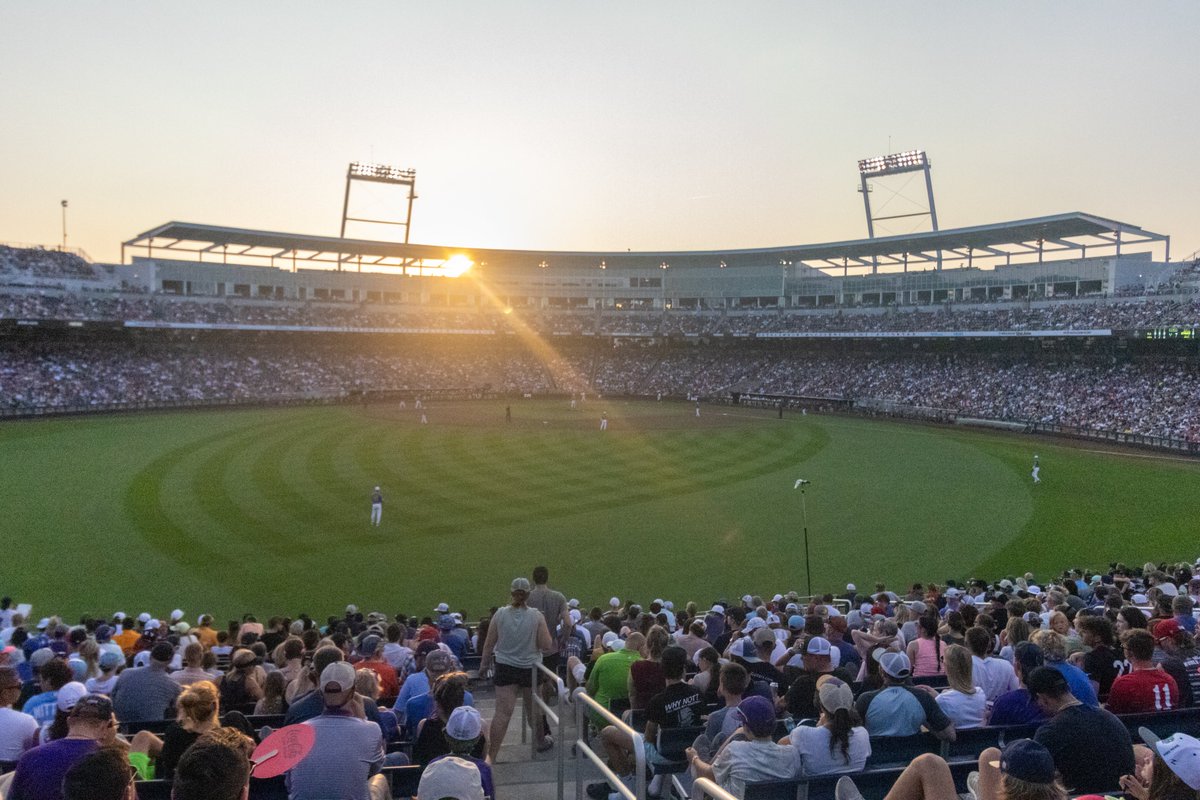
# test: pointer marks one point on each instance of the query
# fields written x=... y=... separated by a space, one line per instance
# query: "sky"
x=592 y=125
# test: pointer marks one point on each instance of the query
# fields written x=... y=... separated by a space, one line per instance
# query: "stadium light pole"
x=64 y=225
x=800 y=484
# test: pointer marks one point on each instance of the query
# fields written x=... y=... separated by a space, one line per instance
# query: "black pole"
x=807 y=562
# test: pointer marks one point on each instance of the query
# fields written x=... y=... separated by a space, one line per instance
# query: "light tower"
x=379 y=173
x=897 y=164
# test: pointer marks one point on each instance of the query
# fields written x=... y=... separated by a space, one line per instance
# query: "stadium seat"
x=968 y=744
x=671 y=744
x=890 y=751
x=1164 y=723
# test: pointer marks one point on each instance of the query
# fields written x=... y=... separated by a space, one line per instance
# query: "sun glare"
x=456 y=265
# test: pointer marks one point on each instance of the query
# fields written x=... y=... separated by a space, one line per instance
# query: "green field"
x=267 y=510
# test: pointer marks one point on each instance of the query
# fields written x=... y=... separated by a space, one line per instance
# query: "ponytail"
x=841 y=723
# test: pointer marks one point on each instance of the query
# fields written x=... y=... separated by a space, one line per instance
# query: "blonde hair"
x=89 y=651
x=959 y=669
x=367 y=682
x=198 y=705
x=1054 y=646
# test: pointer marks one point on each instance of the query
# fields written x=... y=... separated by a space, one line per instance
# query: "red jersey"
x=1143 y=690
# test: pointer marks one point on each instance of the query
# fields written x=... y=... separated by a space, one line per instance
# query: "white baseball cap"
x=442 y=608
x=464 y=724
x=451 y=777
x=818 y=646
x=144 y=617
x=850 y=587
x=176 y=615
x=1180 y=752
x=339 y=674
x=614 y=602
x=69 y=695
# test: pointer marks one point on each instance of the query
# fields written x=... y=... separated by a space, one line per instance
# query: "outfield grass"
x=267 y=510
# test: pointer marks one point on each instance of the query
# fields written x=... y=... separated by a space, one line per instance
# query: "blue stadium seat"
x=968 y=744
x=891 y=751
x=1164 y=723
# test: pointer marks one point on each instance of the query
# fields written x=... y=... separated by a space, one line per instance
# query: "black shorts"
x=507 y=675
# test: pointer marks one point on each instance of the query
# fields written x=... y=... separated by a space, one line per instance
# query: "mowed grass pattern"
x=267 y=510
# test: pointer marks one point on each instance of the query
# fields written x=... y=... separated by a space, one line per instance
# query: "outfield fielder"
x=1037 y=468
x=604 y=422
x=376 y=507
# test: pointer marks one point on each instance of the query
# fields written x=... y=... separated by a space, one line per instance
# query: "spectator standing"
x=516 y=639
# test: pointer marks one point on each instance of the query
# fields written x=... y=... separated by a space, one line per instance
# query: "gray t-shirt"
x=346 y=753
x=516 y=636
x=144 y=693
x=552 y=604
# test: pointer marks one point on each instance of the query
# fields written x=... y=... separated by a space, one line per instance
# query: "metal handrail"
x=558 y=718
x=584 y=703
x=703 y=787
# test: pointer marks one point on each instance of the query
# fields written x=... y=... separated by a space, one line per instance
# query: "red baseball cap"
x=1166 y=629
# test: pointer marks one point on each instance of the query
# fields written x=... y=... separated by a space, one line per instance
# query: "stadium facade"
x=1065 y=255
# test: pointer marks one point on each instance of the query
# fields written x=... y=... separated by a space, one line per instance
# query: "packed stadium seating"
x=1152 y=594
x=1147 y=396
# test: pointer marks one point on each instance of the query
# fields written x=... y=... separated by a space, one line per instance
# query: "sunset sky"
x=601 y=125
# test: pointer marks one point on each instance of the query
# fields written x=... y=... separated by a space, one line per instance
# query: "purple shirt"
x=40 y=771
x=1016 y=708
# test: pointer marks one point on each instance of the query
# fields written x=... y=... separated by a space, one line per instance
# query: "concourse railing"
x=583 y=751
x=557 y=715
x=704 y=788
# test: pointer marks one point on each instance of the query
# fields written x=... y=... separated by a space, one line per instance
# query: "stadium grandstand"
x=1090 y=311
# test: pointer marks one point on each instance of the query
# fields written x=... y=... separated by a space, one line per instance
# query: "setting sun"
x=456 y=265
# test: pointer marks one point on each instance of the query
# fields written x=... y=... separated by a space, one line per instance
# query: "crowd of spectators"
x=1060 y=316
x=42 y=263
x=775 y=686
x=1148 y=397
x=101 y=373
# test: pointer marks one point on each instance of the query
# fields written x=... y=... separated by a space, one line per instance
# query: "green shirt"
x=610 y=676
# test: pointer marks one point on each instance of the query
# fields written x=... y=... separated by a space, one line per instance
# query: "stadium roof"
x=1038 y=236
